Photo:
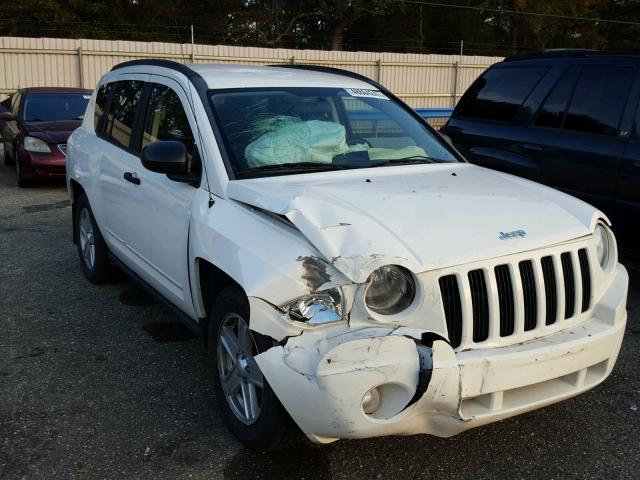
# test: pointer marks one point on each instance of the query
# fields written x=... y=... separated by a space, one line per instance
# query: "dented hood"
x=423 y=217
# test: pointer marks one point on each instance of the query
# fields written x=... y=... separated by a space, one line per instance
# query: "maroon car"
x=36 y=130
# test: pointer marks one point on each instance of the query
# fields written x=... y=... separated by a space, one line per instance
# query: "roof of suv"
x=568 y=53
x=221 y=76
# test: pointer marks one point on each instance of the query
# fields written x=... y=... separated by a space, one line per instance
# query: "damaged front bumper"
x=321 y=375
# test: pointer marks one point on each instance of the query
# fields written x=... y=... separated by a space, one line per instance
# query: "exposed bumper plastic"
x=320 y=377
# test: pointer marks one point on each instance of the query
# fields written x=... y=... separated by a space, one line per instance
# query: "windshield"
x=48 y=107
x=277 y=131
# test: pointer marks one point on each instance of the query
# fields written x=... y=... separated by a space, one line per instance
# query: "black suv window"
x=599 y=99
x=552 y=110
x=499 y=92
x=166 y=120
x=122 y=112
x=102 y=95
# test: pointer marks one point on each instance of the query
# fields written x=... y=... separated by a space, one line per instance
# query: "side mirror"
x=169 y=157
x=7 y=117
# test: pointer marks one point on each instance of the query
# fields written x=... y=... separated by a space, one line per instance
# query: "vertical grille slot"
x=452 y=308
x=585 y=276
x=480 y=305
x=550 y=290
x=569 y=285
x=505 y=300
x=528 y=294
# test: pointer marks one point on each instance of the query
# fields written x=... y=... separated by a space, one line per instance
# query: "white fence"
x=420 y=80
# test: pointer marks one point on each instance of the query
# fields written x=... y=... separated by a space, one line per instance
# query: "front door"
x=160 y=208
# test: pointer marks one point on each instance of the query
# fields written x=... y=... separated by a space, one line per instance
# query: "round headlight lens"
x=391 y=290
x=603 y=244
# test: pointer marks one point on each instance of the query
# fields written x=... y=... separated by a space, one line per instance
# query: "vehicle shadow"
x=246 y=464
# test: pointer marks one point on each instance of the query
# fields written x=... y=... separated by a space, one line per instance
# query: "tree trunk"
x=337 y=34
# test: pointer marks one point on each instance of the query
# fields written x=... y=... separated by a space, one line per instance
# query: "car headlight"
x=391 y=290
x=604 y=244
x=317 y=308
x=32 y=144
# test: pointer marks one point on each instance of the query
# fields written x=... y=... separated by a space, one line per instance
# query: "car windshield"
x=277 y=131
x=48 y=107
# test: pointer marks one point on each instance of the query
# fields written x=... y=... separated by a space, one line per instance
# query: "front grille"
x=63 y=148
x=520 y=295
x=480 y=303
x=452 y=307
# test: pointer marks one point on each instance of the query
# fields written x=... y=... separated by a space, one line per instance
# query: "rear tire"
x=249 y=406
x=92 y=249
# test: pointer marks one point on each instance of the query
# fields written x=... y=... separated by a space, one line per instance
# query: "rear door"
x=579 y=133
x=119 y=155
x=627 y=208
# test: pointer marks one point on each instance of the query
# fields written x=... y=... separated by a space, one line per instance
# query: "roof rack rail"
x=335 y=71
x=156 y=62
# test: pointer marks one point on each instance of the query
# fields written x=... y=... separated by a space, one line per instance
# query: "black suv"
x=568 y=119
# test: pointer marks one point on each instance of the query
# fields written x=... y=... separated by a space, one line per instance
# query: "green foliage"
x=488 y=27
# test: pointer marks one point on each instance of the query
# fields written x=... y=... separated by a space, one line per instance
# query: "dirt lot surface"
x=101 y=382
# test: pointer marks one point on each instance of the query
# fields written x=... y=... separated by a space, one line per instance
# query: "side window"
x=102 y=95
x=599 y=99
x=122 y=112
x=552 y=111
x=15 y=102
x=373 y=125
x=499 y=92
x=166 y=119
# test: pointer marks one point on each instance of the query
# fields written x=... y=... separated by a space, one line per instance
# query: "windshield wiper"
x=289 y=167
x=413 y=159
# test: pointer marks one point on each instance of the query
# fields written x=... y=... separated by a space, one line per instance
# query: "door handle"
x=531 y=148
x=132 y=177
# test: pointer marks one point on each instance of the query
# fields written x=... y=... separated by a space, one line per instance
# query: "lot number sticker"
x=365 y=92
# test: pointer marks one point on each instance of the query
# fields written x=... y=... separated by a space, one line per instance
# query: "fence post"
x=456 y=67
x=80 y=68
x=378 y=70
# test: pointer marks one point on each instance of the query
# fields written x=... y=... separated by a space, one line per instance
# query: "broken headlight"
x=317 y=308
x=391 y=290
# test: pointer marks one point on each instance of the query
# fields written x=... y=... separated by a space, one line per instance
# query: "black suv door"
x=627 y=211
x=570 y=132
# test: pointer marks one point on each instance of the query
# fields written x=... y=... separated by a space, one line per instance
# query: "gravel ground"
x=101 y=382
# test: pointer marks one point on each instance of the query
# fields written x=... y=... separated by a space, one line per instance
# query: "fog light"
x=371 y=401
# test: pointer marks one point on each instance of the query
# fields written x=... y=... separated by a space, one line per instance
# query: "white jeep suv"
x=352 y=274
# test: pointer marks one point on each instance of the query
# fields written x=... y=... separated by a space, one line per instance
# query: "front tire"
x=23 y=182
x=249 y=406
x=92 y=249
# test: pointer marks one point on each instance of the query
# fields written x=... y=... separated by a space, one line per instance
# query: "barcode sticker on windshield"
x=365 y=92
x=86 y=97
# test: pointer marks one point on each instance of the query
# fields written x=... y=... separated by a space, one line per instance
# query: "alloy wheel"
x=242 y=380
x=87 y=239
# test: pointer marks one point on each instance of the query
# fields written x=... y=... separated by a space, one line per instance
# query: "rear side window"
x=499 y=92
x=122 y=113
x=599 y=99
x=102 y=95
x=552 y=111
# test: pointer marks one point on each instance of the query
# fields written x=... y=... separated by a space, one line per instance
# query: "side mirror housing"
x=7 y=117
x=168 y=157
